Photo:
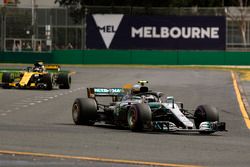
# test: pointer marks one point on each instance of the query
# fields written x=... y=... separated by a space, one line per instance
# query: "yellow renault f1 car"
x=37 y=77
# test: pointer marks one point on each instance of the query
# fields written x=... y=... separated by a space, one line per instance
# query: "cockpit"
x=146 y=97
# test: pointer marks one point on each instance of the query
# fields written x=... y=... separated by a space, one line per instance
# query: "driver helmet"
x=39 y=66
x=135 y=89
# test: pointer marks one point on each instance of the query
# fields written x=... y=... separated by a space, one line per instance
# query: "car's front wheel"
x=64 y=81
x=205 y=113
x=139 y=117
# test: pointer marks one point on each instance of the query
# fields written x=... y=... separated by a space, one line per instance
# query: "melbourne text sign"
x=114 y=31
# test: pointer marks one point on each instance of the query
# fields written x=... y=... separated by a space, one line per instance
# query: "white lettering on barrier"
x=175 y=32
x=164 y=32
x=155 y=35
x=186 y=32
x=195 y=32
x=147 y=32
x=215 y=32
x=137 y=32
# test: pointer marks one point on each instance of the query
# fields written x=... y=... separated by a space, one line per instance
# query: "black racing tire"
x=84 y=111
x=205 y=113
x=139 y=117
x=48 y=80
x=64 y=80
x=6 y=79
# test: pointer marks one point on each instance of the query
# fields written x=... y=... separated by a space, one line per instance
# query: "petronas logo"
x=108 y=25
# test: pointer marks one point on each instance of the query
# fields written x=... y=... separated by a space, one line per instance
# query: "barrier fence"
x=143 y=57
x=48 y=29
x=51 y=35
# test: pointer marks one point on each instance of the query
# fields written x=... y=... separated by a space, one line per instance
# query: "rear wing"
x=53 y=67
x=93 y=92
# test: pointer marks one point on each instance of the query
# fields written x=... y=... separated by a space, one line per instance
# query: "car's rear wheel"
x=139 y=117
x=84 y=111
x=205 y=113
x=6 y=79
x=64 y=80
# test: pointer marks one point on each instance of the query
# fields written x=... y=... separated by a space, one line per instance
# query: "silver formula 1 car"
x=144 y=110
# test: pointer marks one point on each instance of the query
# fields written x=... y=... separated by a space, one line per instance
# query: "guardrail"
x=147 y=57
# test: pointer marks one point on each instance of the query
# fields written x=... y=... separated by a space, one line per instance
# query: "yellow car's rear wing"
x=52 y=67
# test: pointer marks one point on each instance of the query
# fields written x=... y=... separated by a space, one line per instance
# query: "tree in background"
x=239 y=15
x=77 y=7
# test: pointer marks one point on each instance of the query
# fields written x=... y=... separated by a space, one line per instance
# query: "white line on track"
x=42 y=97
x=20 y=103
x=29 y=102
x=25 y=100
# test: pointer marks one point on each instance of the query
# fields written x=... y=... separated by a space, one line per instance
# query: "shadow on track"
x=150 y=132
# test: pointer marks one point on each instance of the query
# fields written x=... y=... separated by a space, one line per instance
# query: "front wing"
x=205 y=127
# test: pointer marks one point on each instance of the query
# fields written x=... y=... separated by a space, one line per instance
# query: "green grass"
x=244 y=71
x=10 y=70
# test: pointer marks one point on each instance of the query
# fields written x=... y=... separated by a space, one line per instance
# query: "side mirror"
x=170 y=99
x=182 y=106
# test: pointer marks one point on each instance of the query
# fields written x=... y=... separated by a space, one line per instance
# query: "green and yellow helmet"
x=39 y=64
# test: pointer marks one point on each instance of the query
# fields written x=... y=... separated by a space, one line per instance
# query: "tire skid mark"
x=30 y=102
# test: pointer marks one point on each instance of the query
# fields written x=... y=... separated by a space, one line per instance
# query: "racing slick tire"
x=48 y=80
x=84 y=111
x=64 y=80
x=6 y=79
x=205 y=113
x=139 y=117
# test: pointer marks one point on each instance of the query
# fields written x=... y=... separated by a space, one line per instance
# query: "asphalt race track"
x=36 y=126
